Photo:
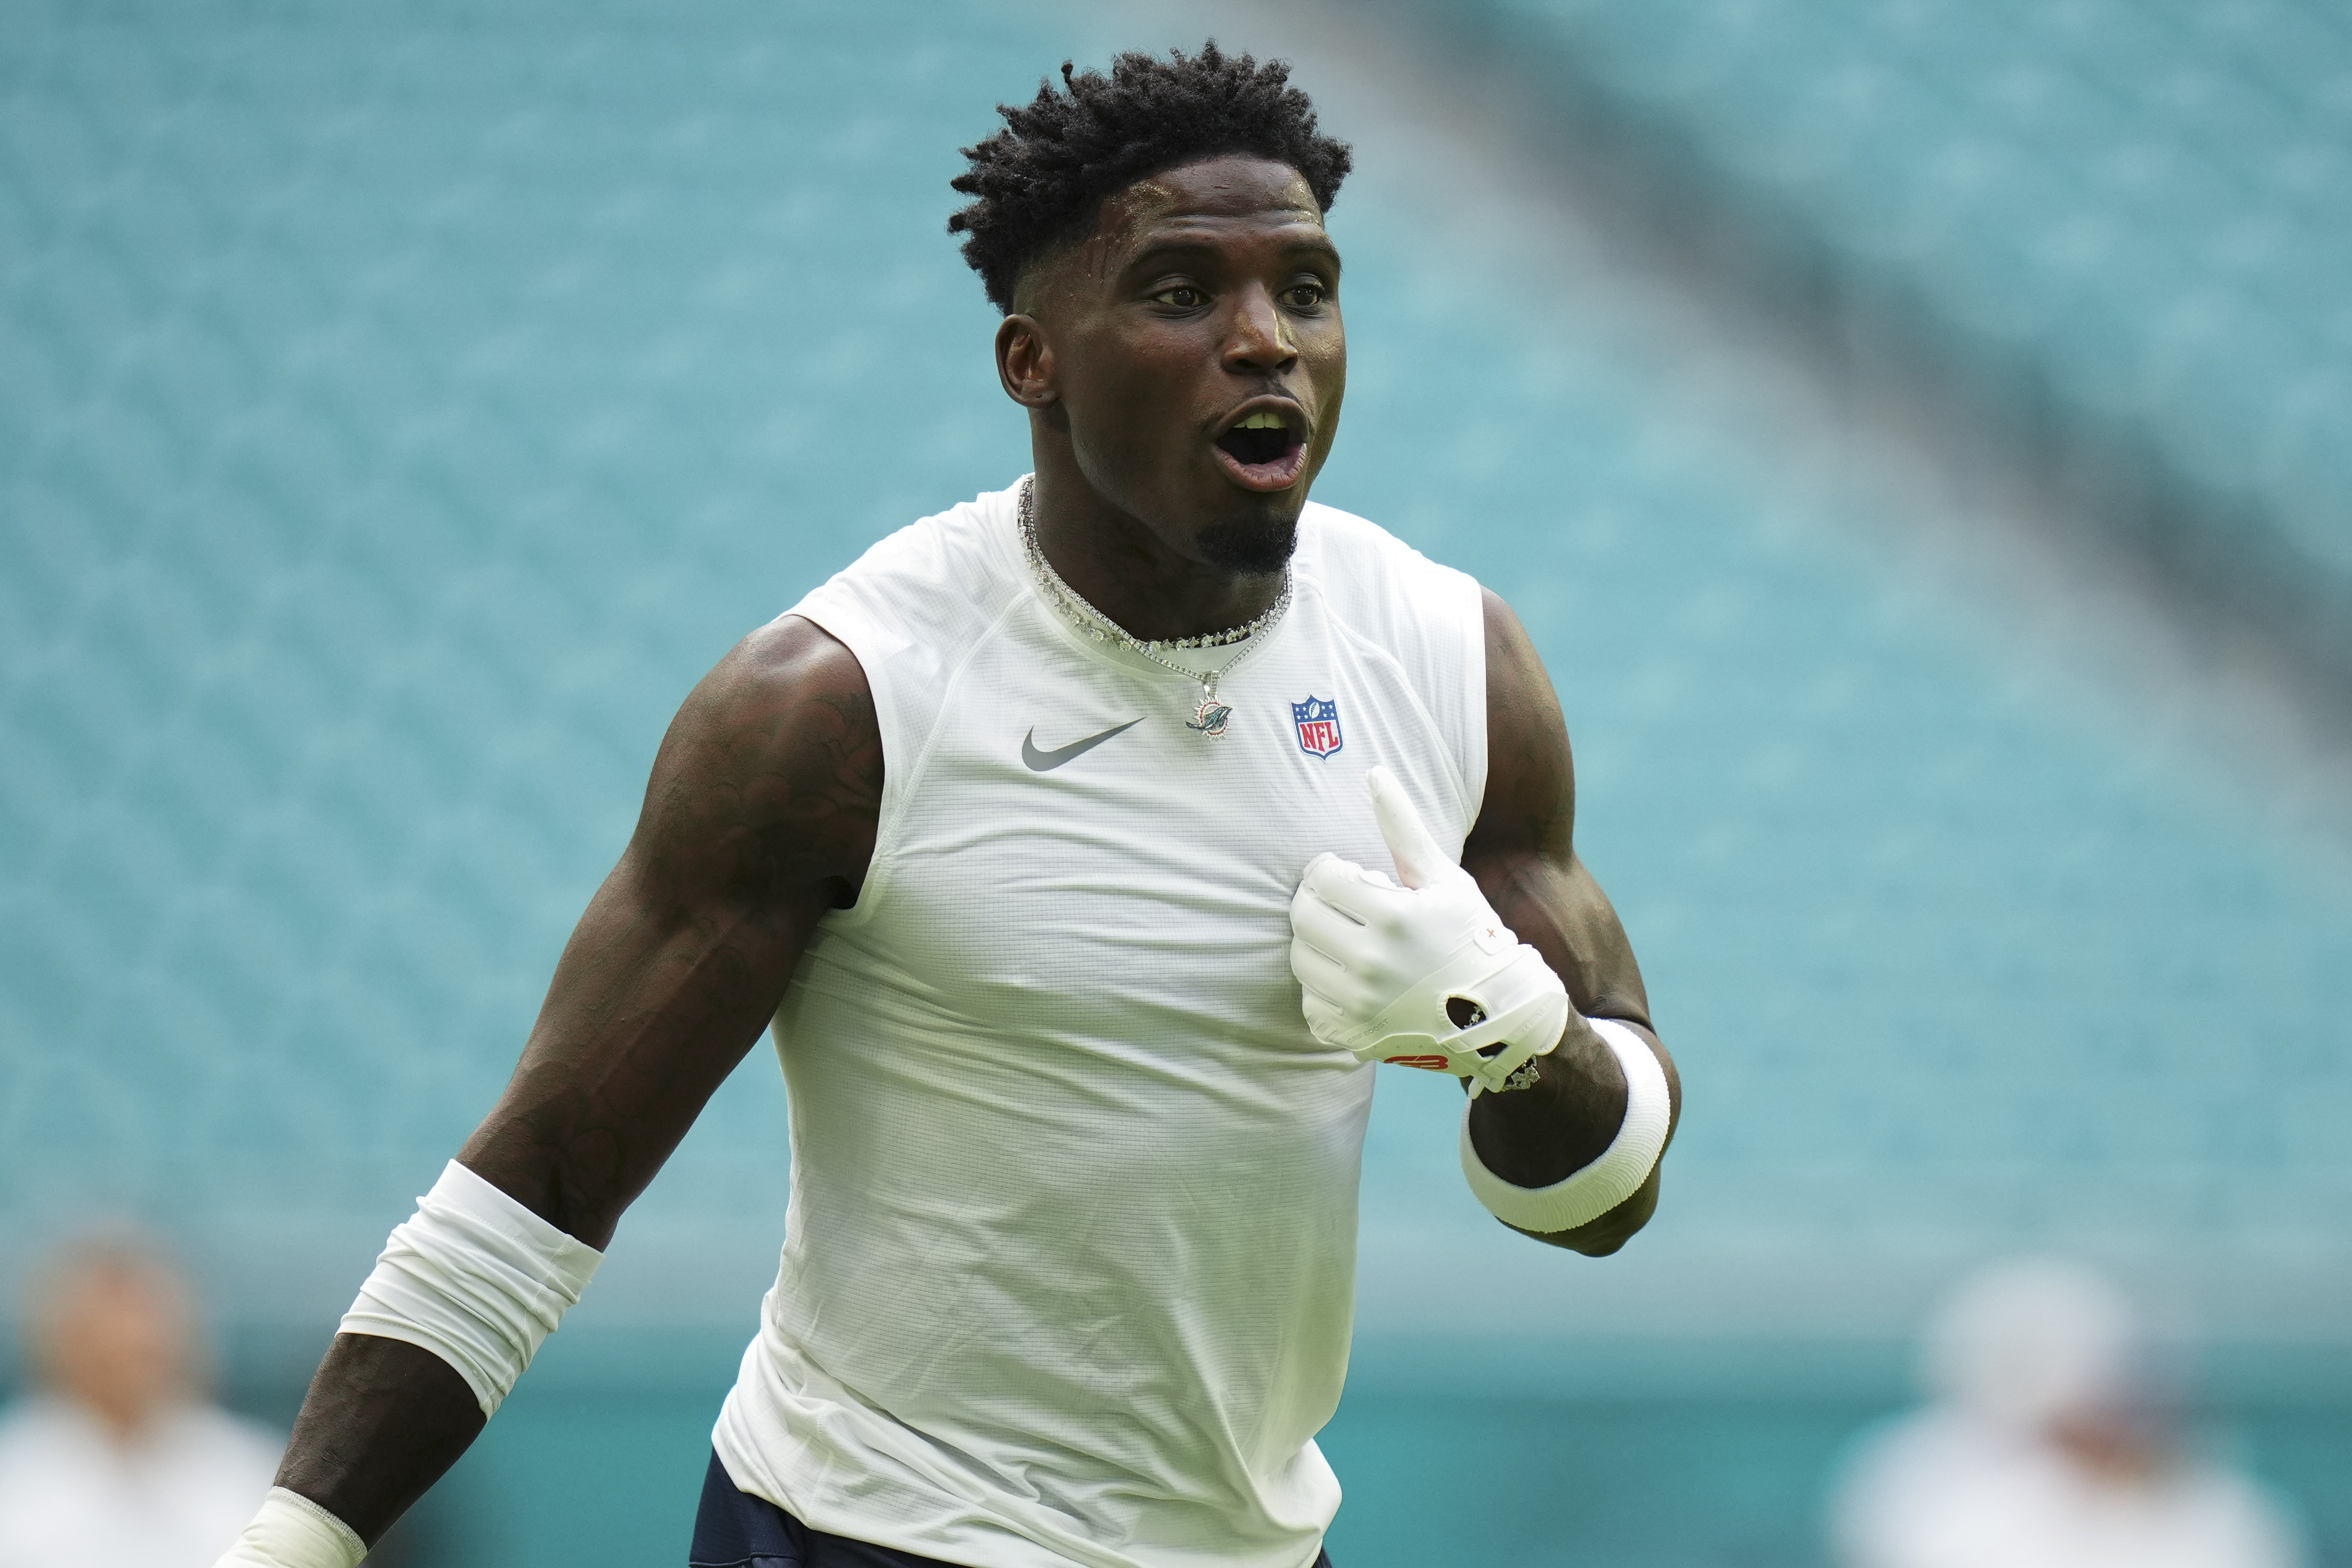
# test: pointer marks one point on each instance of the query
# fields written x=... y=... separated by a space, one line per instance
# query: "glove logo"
x=1318 y=725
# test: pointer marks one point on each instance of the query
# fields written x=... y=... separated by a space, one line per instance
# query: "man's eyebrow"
x=1320 y=246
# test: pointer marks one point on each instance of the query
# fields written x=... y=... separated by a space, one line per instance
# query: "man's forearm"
x=383 y=1419
x=461 y=1298
x=1567 y=1120
x=760 y=817
x=1542 y=1134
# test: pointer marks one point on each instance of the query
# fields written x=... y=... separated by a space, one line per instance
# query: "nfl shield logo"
x=1318 y=725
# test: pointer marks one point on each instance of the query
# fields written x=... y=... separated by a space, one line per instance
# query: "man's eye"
x=1304 y=296
x=1185 y=297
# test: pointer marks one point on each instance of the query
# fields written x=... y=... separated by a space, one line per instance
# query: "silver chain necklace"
x=1211 y=717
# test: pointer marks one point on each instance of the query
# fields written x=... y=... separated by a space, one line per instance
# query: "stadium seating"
x=2144 y=201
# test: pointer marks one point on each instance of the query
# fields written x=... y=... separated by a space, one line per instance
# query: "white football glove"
x=1378 y=963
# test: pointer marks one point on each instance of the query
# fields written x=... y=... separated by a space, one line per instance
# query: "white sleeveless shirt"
x=1069 y=1267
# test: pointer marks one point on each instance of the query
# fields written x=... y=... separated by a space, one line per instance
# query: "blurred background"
x=1916 y=433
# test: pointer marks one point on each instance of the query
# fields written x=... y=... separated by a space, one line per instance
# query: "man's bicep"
x=1530 y=807
x=760 y=816
x=768 y=785
x=1523 y=850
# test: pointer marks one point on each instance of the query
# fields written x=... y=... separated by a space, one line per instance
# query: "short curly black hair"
x=1042 y=179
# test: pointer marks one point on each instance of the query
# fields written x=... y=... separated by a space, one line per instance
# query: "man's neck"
x=1116 y=564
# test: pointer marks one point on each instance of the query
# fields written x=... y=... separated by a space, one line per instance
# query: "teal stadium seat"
x=2149 y=196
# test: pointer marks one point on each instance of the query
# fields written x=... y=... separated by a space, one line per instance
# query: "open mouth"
x=1264 y=452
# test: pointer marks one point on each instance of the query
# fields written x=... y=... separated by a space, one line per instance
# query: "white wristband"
x=292 y=1532
x=475 y=1278
x=1588 y=1194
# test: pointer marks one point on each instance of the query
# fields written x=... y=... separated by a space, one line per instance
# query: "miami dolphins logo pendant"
x=1210 y=718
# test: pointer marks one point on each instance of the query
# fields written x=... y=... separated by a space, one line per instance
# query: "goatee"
x=1255 y=548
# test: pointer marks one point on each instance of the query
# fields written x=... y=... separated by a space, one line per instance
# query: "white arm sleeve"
x=292 y=1532
x=475 y=1278
x=1588 y=1194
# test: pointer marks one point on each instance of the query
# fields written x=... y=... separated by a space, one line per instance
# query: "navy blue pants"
x=734 y=1530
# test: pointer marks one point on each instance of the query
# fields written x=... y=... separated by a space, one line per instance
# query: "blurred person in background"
x=117 y=1458
x=2049 y=1442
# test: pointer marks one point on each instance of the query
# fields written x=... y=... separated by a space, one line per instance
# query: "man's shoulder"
x=44 y=1438
x=1366 y=572
x=209 y=1437
x=42 y=1420
x=932 y=582
x=1347 y=532
x=964 y=544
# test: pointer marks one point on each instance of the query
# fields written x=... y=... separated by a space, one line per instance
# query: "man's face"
x=1194 y=356
x=116 y=1338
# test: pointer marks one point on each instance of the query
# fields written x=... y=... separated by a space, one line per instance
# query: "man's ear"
x=1025 y=362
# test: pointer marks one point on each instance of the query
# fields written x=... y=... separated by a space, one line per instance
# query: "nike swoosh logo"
x=1045 y=761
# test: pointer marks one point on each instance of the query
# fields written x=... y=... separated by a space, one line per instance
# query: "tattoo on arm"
x=760 y=816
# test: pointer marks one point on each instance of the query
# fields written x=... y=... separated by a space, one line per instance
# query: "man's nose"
x=1259 y=341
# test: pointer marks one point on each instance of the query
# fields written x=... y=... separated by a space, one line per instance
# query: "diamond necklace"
x=1211 y=717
